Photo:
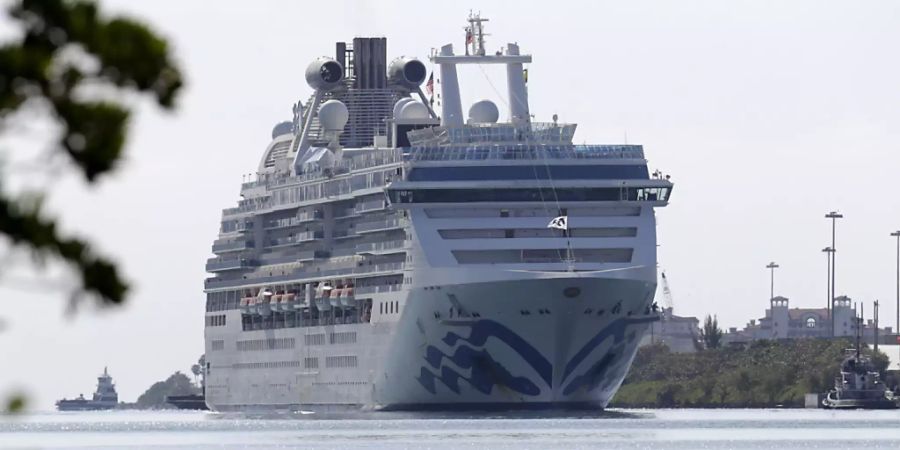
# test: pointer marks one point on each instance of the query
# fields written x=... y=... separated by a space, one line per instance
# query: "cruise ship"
x=391 y=253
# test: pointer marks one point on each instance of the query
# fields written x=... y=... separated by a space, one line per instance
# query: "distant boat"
x=859 y=385
x=104 y=398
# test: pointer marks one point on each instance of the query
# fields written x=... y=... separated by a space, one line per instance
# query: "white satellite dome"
x=414 y=110
x=399 y=105
x=333 y=115
x=484 y=111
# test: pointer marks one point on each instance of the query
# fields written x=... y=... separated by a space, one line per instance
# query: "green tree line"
x=764 y=374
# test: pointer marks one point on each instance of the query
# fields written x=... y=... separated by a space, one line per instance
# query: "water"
x=627 y=429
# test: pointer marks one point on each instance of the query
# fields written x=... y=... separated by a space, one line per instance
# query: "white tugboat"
x=859 y=386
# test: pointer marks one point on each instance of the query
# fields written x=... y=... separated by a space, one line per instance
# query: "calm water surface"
x=651 y=429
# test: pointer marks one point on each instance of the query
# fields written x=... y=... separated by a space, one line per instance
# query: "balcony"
x=380 y=225
x=299 y=238
x=310 y=255
x=343 y=234
x=381 y=248
x=369 y=206
x=225 y=246
x=304 y=217
x=224 y=264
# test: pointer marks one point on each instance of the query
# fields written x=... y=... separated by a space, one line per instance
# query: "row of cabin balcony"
x=370 y=206
x=301 y=218
x=236 y=226
x=259 y=204
x=296 y=238
x=221 y=264
x=380 y=225
x=301 y=274
x=381 y=248
x=227 y=245
x=371 y=160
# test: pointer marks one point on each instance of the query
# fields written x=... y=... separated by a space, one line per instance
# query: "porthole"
x=572 y=291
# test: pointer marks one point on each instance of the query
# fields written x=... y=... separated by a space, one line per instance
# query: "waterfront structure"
x=389 y=257
x=783 y=322
x=680 y=333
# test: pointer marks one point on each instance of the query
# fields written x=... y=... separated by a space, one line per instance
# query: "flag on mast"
x=429 y=86
x=560 y=223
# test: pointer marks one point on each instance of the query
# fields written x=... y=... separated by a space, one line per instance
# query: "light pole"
x=897 y=235
x=772 y=266
x=833 y=215
x=828 y=251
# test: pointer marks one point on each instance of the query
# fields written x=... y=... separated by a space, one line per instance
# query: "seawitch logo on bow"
x=468 y=353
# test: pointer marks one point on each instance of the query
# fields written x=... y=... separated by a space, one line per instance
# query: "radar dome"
x=324 y=73
x=333 y=115
x=414 y=110
x=484 y=111
x=399 y=105
x=282 y=129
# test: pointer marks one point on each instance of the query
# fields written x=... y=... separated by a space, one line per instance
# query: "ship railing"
x=216 y=264
x=380 y=246
x=541 y=132
x=378 y=289
x=372 y=205
x=387 y=224
x=308 y=272
x=375 y=158
x=523 y=152
x=230 y=246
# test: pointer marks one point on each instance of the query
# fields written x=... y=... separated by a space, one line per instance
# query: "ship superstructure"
x=388 y=256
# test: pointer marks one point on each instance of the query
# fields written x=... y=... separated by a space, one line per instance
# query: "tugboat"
x=859 y=386
x=104 y=398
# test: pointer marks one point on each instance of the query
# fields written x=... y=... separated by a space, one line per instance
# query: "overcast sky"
x=766 y=114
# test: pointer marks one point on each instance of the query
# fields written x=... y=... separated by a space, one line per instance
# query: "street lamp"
x=828 y=251
x=897 y=235
x=833 y=215
x=772 y=266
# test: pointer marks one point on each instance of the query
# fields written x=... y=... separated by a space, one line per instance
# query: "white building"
x=680 y=334
x=783 y=322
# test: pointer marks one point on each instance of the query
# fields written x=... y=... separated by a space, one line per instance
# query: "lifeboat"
x=323 y=292
x=246 y=303
x=347 y=298
x=335 y=298
x=263 y=302
x=287 y=302
x=275 y=302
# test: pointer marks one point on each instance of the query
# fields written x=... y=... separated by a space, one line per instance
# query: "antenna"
x=475 y=33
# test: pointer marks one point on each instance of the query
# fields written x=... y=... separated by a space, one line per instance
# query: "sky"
x=767 y=115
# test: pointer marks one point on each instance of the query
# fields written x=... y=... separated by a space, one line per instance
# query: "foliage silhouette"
x=75 y=67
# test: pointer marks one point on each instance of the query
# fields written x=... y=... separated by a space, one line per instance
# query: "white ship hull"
x=531 y=346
